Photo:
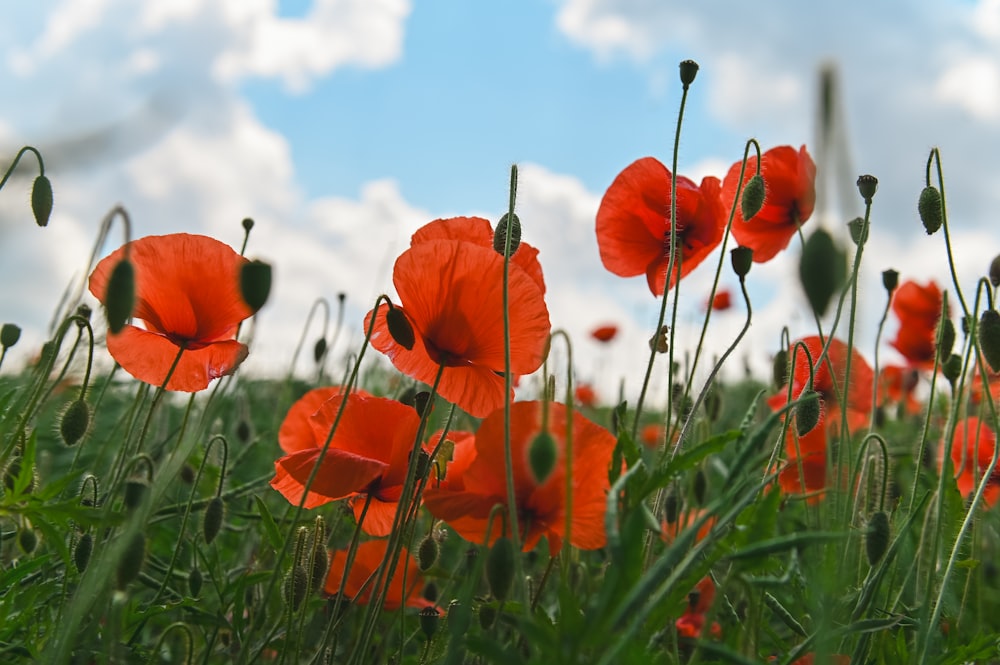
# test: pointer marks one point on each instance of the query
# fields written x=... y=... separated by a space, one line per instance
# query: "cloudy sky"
x=340 y=126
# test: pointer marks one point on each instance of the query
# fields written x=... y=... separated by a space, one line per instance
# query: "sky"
x=341 y=126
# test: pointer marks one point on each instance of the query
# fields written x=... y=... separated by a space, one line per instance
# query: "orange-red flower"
x=971 y=453
x=476 y=480
x=604 y=333
x=367 y=457
x=790 y=194
x=722 y=301
x=187 y=290
x=450 y=284
x=918 y=309
x=366 y=561
x=633 y=223
x=692 y=622
x=897 y=384
x=585 y=394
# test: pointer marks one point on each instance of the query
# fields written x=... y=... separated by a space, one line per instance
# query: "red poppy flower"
x=691 y=623
x=918 y=309
x=832 y=659
x=296 y=432
x=604 y=333
x=367 y=559
x=805 y=476
x=476 y=480
x=896 y=384
x=187 y=294
x=652 y=435
x=670 y=530
x=585 y=394
x=633 y=223
x=722 y=301
x=971 y=453
x=451 y=292
x=367 y=457
x=790 y=195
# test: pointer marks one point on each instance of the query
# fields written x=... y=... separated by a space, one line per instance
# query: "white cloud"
x=972 y=84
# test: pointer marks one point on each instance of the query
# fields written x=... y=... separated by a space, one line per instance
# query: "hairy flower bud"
x=255 y=283
x=120 y=297
x=753 y=197
x=807 y=412
x=542 y=456
x=9 y=334
x=211 y=523
x=427 y=552
x=294 y=586
x=41 y=200
x=877 y=537
x=989 y=337
x=131 y=561
x=75 y=421
x=500 y=236
x=822 y=269
x=194 y=581
x=400 y=328
x=82 y=551
x=930 y=209
x=500 y=568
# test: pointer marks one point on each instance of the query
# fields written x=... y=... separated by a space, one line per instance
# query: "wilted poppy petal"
x=341 y=474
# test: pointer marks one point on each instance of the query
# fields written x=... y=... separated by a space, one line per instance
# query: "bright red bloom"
x=670 y=530
x=451 y=290
x=722 y=301
x=897 y=384
x=633 y=223
x=366 y=561
x=296 y=432
x=652 y=435
x=790 y=195
x=367 y=456
x=691 y=623
x=585 y=394
x=187 y=290
x=971 y=454
x=476 y=480
x=918 y=309
x=832 y=659
x=604 y=333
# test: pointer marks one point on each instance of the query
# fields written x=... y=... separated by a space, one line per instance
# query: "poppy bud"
x=877 y=537
x=74 y=423
x=779 y=368
x=930 y=209
x=689 y=69
x=11 y=474
x=700 y=487
x=671 y=506
x=430 y=592
x=294 y=586
x=195 y=580
x=822 y=269
x=429 y=617
x=400 y=328
x=753 y=197
x=500 y=236
x=427 y=552
x=459 y=618
x=27 y=540
x=890 y=280
x=81 y=553
x=247 y=224
x=41 y=200
x=807 y=412
x=212 y=519
x=946 y=341
x=135 y=493
x=422 y=403
x=995 y=271
x=319 y=350
x=243 y=431
x=989 y=337
x=742 y=259
x=131 y=562
x=500 y=568
x=255 y=283
x=187 y=474
x=120 y=297
x=487 y=615
x=9 y=334
x=859 y=231
x=320 y=567
x=952 y=368
x=542 y=456
x=867 y=185
x=660 y=342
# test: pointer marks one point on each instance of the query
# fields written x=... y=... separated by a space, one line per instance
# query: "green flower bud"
x=319 y=350
x=135 y=493
x=689 y=69
x=120 y=297
x=81 y=553
x=867 y=185
x=807 y=412
x=500 y=236
x=995 y=271
x=822 y=270
x=952 y=369
x=9 y=334
x=671 y=506
x=255 y=283
x=890 y=280
x=131 y=562
x=989 y=337
x=41 y=200
x=946 y=338
x=75 y=421
x=400 y=328
x=294 y=586
x=753 y=197
x=699 y=487
x=27 y=540
x=930 y=209
x=500 y=568
x=779 y=368
x=195 y=581
x=429 y=617
x=211 y=523
x=427 y=552
x=542 y=456
x=877 y=537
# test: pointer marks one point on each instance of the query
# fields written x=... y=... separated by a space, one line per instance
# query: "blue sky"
x=343 y=125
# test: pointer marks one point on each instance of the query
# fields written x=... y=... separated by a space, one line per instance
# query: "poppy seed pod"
x=930 y=209
x=890 y=280
x=500 y=568
x=753 y=197
x=995 y=271
x=542 y=456
x=120 y=295
x=255 y=283
x=9 y=334
x=807 y=412
x=212 y=519
x=741 y=258
x=429 y=617
x=41 y=200
x=500 y=236
x=689 y=70
x=867 y=185
x=400 y=328
x=427 y=552
x=247 y=224
x=989 y=337
x=82 y=551
x=859 y=231
x=877 y=537
x=131 y=561
x=74 y=423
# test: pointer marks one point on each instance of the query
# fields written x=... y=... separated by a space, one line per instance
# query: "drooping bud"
x=429 y=617
x=487 y=616
x=671 y=506
x=713 y=405
x=930 y=209
x=952 y=369
x=660 y=342
x=689 y=69
x=946 y=339
x=867 y=185
x=542 y=456
x=753 y=197
x=294 y=586
x=9 y=334
x=822 y=269
x=989 y=337
x=859 y=231
x=807 y=412
x=81 y=553
x=319 y=350
x=500 y=568
x=995 y=271
x=877 y=537
x=320 y=567
x=211 y=523
x=195 y=580
x=427 y=552
x=135 y=492
x=422 y=403
x=243 y=431
x=500 y=235
x=131 y=562
x=779 y=368
x=41 y=200
x=699 y=487
x=400 y=328
x=255 y=283
x=741 y=259
x=75 y=421
x=430 y=592
x=890 y=280
x=120 y=296
x=27 y=539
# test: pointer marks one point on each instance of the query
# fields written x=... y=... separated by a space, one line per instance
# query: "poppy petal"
x=341 y=474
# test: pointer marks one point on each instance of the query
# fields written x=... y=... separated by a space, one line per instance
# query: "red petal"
x=341 y=474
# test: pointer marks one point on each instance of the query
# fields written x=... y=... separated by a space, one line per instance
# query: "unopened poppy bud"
x=487 y=616
x=294 y=586
x=255 y=283
x=807 y=412
x=319 y=350
x=9 y=334
x=822 y=269
x=11 y=473
x=41 y=200
x=689 y=69
x=867 y=185
x=995 y=271
x=247 y=224
x=423 y=463
x=74 y=423
x=187 y=474
x=459 y=618
x=131 y=562
x=890 y=280
x=320 y=567
x=542 y=456
x=753 y=197
x=930 y=209
x=779 y=368
x=660 y=342
x=82 y=551
x=243 y=431
x=135 y=493
x=429 y=617
x=400 y=328
x=500 y=236
x=877 y=537
x=946 y=340
x=859 y=231
x=430 y=592
x=989 y=337
x=27 y=540
x=741 y=259
x=120 y=298
x=952 y=368
x=671 y=506
x=422 y=403
x=427 y=552
x=500 y=568
x=211 y=523
x=699 y=487
x=195 y=580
